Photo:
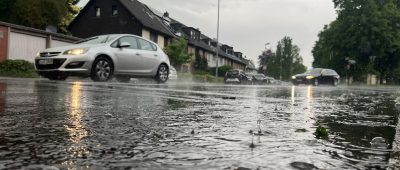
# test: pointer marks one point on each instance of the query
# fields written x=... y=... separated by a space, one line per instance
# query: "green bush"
x=221 y=70
x=201 y=77
x=207 y=78
x=17 y=68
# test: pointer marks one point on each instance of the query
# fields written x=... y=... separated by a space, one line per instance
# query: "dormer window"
x=114 y=10
x=98 y=11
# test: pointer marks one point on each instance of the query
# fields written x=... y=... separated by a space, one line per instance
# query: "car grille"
x=49 y=54
x=56 y=64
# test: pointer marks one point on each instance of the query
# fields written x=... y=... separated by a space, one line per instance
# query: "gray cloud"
x=249 y=24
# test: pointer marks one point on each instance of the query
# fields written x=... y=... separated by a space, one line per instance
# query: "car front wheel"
x=162 y=74
x=102 y=69
x=335 y=82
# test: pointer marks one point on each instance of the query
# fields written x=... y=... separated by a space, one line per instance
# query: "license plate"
x=45 y=62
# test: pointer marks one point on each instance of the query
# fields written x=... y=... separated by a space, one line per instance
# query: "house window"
x=166 y=41
x=98 y=11
x=114 y=10
x=154 y=37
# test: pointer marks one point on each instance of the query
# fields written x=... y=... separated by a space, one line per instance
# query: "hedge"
x=17 y=68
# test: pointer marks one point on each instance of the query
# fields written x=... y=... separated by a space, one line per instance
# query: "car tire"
x=162 y=74
x=102 y=70
x=335 y=82
x=315 y=83
x=123 y=79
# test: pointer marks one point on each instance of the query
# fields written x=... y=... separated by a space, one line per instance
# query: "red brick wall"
x=3 y=43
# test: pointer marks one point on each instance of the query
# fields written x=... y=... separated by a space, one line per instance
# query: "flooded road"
x=86 y=125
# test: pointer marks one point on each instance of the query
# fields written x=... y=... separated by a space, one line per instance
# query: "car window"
x=332 y=72
x=145 y=45
x=131 y=40
x=313 y=71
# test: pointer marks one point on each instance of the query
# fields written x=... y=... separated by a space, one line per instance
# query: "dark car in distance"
x=237 y=76
x=316 y=77
x=261 y=79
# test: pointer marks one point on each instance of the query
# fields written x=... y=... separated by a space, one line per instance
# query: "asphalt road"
x=85 y=125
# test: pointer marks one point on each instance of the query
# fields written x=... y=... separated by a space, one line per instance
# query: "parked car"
x=260 y=79
x=316 y=77
x=172 y=73
x=236 y=76
x=102 y=57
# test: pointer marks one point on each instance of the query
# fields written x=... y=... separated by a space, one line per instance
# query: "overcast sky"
x=248 y=25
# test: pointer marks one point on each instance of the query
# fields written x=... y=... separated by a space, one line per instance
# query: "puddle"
x=59 y=125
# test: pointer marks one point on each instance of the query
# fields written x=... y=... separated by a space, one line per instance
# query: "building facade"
x=133 y=17
x=120 y=17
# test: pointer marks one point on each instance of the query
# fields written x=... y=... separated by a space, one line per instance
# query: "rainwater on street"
x=86 y=125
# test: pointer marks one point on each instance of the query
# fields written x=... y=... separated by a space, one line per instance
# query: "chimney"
x=166 y=15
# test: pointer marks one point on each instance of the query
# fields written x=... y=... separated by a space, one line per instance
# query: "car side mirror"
x=124 y=45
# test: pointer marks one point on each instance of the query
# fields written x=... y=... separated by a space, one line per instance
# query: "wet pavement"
x=85 y=125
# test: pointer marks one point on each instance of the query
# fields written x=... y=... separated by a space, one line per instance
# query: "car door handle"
x=155 y=55
x=137 y=53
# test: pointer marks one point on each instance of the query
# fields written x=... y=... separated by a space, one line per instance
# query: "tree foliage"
x=285 y=62
x=72 y=11
x=39 y=13
x=200 y=63
x=176 y=52
x=367 y=31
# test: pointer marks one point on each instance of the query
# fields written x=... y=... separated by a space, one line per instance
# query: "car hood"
x=69 y=47
x=264 y=78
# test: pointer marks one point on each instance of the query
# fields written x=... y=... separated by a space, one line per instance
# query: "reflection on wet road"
x=69 y=125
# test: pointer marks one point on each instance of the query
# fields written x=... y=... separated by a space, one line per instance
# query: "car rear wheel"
x=162 y=74
x=102 y=69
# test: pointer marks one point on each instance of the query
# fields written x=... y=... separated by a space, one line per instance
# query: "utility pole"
x=217 y=53
x=266 y=57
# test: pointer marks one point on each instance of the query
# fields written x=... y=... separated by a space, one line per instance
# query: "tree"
x=263 y=60
x=285 y=62
x=363 y=28
x=72 y=11
x=39 y=13
x=6 y=8
x=200 y=63
x=177 y=52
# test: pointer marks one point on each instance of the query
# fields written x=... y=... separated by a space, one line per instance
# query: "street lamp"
x=265 y=59
x=370 y=68
x=217 y=53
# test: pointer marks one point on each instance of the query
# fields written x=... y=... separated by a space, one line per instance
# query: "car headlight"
x=310 y=77
x=293 y=77
x=77 y=51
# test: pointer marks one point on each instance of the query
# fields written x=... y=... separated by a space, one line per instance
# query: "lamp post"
x=266 y=55
x=370 y=68
x=217 y=53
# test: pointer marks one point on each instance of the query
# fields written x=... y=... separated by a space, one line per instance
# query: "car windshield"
x=98 y=40
x=313 y=71
x=234 y=72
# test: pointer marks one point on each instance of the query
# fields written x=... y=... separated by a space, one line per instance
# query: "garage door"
x=25 y=47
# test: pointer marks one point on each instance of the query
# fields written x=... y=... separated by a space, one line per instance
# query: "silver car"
x=102 y=57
